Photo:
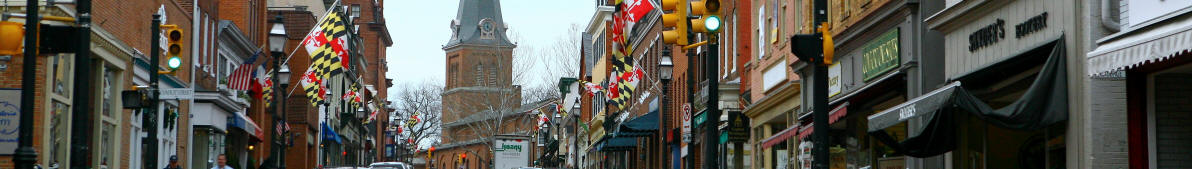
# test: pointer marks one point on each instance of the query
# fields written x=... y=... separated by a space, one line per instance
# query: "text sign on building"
x=10 y=99
x=182 y=94
x=880 y=55
x=834 y=80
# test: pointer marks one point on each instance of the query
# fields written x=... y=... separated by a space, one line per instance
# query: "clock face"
x=486 y=25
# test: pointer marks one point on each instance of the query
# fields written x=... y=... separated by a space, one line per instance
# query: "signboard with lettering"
x=511 y=153
x=881 y=55
x=9 y=119
x=181 y=93
x=834 y=80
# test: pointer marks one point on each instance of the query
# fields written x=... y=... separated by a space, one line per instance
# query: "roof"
x=466 y=26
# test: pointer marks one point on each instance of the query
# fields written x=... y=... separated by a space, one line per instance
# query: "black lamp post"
x=665 y=73
x=277 y=43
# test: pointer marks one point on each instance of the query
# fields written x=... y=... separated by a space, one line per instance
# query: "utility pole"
x=26 y=155
x=816 y=51
x=712 y=120
x=82 y=107
x=149 y=120
x=819 y=94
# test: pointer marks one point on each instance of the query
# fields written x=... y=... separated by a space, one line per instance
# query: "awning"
x=329 y=134
x=617 y=144
x=641 y=126
x=246 y=124
x=837 y=113
x=1043 y=104
x=782 y=136
x=1141 y=46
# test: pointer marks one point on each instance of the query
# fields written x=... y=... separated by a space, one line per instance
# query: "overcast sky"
x=420 y=29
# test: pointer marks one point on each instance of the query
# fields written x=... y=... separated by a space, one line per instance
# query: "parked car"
x=390 y=165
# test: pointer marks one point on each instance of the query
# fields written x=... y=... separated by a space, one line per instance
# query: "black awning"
x=617 y=144
x=642 y=126
x=1043 y=104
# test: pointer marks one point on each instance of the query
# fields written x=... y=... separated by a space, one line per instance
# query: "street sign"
x=686 y=114
x=180 y=94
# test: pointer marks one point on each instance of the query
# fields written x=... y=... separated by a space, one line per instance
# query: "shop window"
x=108 y=118
x=63 y=68
x=59 y=135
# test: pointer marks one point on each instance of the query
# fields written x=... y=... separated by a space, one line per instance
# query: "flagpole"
x=329 y=10
x=299 y=46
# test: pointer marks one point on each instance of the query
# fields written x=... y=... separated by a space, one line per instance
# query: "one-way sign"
x=180 y=94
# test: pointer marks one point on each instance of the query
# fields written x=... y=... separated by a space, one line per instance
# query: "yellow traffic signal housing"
x=829 y=46
x=11 y=34
x=174 y=49
x=677 y=20
x=707 y=9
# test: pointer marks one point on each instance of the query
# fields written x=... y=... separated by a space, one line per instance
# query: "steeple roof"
x=467 y=27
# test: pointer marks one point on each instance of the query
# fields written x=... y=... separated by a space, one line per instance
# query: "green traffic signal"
x=712 y=23
x=174 y=62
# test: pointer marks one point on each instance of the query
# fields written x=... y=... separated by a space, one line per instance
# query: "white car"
x=390 y=165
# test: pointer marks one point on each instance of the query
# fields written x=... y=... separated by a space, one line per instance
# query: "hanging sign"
x=10 y=119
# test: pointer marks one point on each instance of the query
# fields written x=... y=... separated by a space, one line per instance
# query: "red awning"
x=780 y=137
x=837 y=113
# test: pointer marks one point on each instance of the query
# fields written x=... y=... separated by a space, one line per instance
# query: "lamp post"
x=665 y=73
x=277 y=43
x=26 y=155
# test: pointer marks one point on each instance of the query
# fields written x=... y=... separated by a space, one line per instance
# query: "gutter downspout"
x=1106 y=22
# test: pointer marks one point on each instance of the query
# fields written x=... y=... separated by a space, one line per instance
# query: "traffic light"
x=709 y=10
x=174 y=50
x=814 y=49
x=676 y=20
x=11 y=34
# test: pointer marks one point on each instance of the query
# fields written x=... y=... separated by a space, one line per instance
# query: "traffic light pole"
x=819 y=95
x=26 y=155
x=712 y=120
x=149 y=118
x=82 y=122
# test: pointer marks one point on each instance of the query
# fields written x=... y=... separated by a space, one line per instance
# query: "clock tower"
x=479 y=67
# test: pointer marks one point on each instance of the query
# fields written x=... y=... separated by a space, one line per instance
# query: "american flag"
x=240 y=78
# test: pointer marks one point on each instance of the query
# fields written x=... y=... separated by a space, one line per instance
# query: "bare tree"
x=425 y=100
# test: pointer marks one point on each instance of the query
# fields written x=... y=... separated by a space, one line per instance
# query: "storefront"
x=884 y=55
x=211 y=126
x=1007 y=99
x=1149 y=63
x=242 y=140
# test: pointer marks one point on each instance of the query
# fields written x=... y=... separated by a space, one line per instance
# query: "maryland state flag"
x=313 y=86
x=327 y=46
x=626 y=76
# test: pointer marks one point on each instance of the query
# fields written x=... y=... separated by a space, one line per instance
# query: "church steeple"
x=478 y=22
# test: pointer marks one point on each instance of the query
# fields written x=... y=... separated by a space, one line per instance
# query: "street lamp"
x=277 y=43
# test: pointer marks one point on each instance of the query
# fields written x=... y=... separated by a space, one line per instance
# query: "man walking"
x=173 y=163
x=221 y=162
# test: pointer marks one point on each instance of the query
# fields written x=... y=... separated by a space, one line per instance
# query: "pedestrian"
x=221 y=162
x=173 y=163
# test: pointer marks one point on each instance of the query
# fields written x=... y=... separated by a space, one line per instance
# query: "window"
x=761 y=32
x=60 y=136
x=62 y=66
x=355 y=11
x=108 y=118
x=479 y=75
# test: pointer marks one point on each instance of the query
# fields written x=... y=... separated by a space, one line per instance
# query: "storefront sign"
x=881 y=55
x=738 y=127
x=892 y=163
x=834 y=80
x=988 y=35
x=9 y=117
x=1035 y=24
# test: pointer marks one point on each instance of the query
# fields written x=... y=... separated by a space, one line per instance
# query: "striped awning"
x=1141 y=46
